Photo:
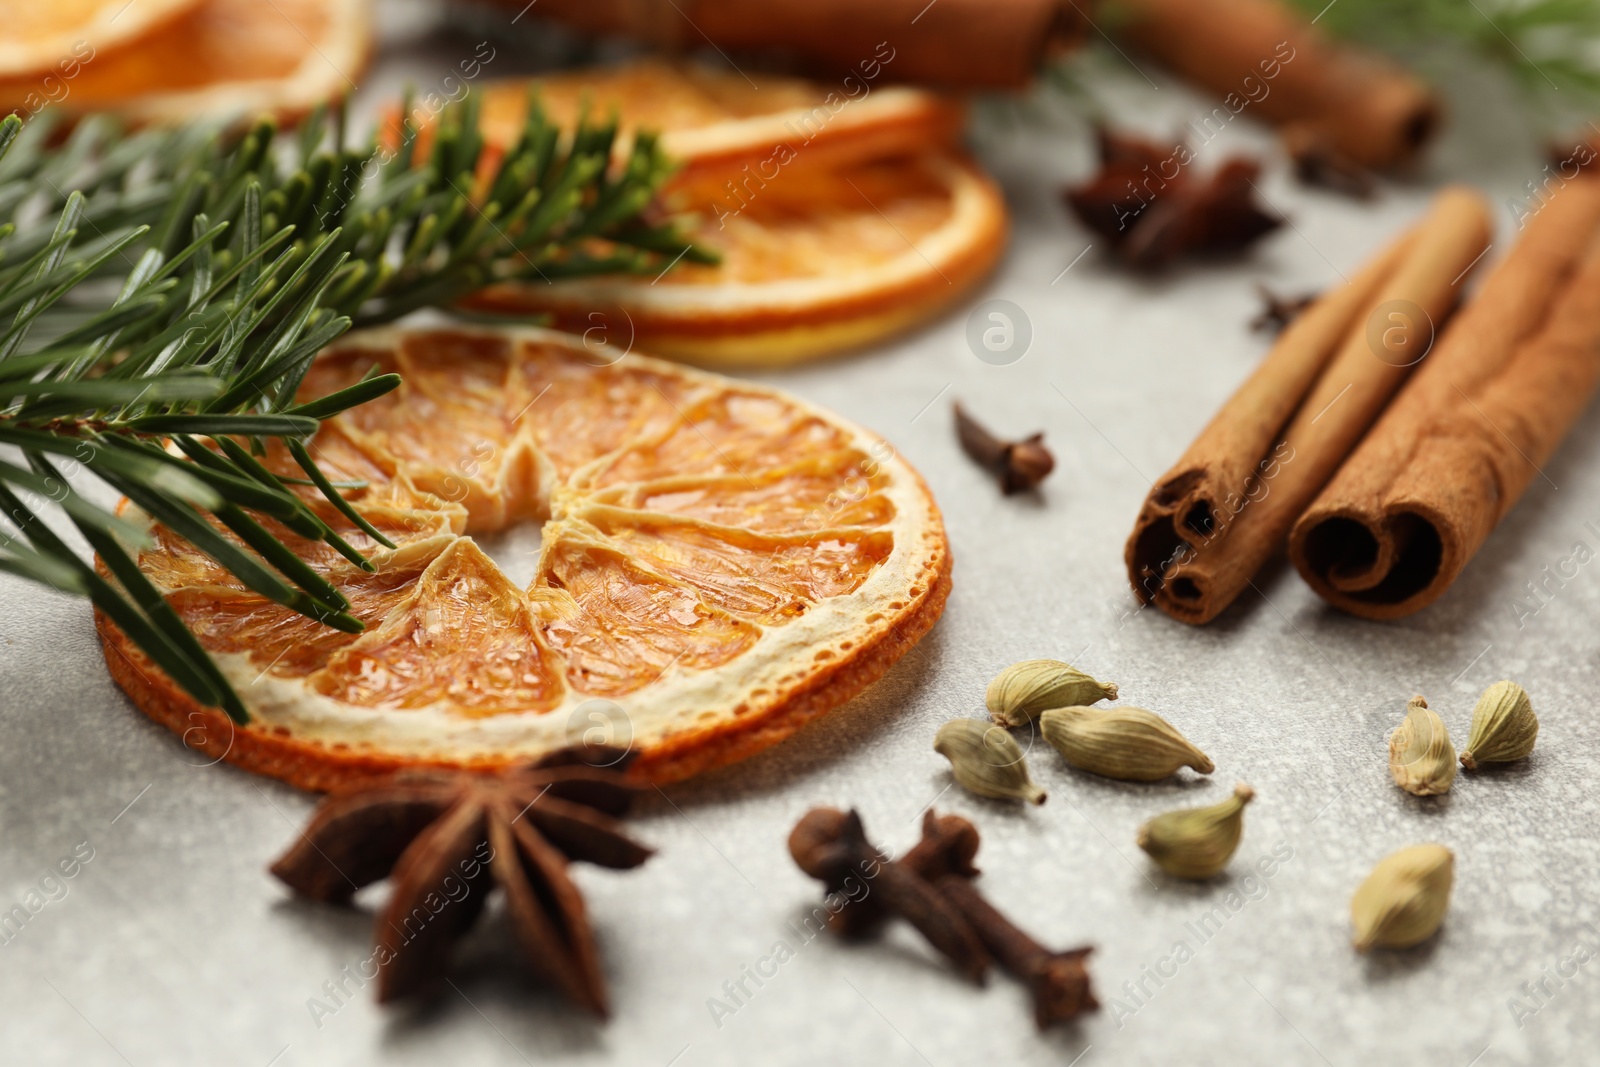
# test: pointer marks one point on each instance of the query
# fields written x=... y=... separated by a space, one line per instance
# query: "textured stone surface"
x=173 y=946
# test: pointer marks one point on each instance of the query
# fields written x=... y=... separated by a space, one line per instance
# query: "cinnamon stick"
x=1212 y=521
x=996 y=44
x=1455 y=451
x=1266 y=61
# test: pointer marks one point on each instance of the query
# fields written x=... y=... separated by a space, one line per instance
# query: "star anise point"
x=445 y=838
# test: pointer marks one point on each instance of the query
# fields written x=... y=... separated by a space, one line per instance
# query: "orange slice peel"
x=220 y=59
x=850 y=258
x=839 y=220
x=40 y=36
x=713 y=123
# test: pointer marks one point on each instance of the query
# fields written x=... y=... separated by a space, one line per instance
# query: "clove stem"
x=1019 y=465
x=1058 y=981
x=831 y=846
x=948 y=845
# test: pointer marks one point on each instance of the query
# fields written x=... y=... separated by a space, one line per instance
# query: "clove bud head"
x=949 y=845
x=1061 y=988
x=1421 y=759
x=1130 y=744
x=987 y=760
x=1404 y=899
x=1023 y=690
x=1196 y=843
x=1504 y=726
x=1020 y=465
x=817 y=844
x=1028 y=463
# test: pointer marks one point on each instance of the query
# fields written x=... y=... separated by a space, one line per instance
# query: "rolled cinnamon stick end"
x=1194 y=502
x=1264 y=60
x=1212 y=522
x=997 y=44
x=1455 y=451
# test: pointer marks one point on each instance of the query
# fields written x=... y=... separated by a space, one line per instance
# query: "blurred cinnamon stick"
x=1455 y=451
x=1260 y=56
x=995 y=44
x=1213 y=520
x=1266 y=61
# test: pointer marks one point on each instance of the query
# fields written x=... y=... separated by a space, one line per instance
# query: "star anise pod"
x=444 y=839
x=1148 y=203
x=1277 y=312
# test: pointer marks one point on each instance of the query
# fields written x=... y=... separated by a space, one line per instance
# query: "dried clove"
x=1277 y=312
x=1058 y=981
x=826 y=843
x=1020 y=465
x=1148 y=204
x=1317 y=162
x=831 y=846
x=948 y=845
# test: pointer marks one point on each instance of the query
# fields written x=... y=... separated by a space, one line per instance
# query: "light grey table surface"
x=171 y=945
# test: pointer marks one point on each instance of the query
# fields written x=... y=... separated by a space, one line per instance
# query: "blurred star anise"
x=1149 y=204
x=1277 y=312
x=444 y=839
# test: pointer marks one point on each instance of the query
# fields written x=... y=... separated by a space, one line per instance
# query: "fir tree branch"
x=1550 y=47
x=164 y=292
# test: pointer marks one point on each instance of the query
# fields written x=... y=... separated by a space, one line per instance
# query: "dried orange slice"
x=713 y=122
x=812 y=263
x=221 y=58
x=719 y=563
x=40 y=37
x=843 y=211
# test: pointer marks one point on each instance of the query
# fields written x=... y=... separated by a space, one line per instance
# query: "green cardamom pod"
x=1504 y=726
x=1197 y=842
x=1020 y=692
x=1404 y=899
x=1421 y=759
x=986 y=760
x=1130 y=744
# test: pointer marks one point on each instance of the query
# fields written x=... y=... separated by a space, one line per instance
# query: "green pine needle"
x=1550 y=47
x=172 y=287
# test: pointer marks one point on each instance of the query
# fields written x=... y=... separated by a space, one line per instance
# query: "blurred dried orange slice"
x=39 y=37
x=713 y=122
x=843 y=211
x=812 y=264
x=219 y=59
x=719 y=563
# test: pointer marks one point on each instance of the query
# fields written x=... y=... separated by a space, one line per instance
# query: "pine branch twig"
x=164 y=292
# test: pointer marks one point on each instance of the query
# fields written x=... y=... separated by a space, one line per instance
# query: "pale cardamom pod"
x=1132 y=744
x=1504 y=726
x=1404 y=899
x=1421 y=758
x=986 y=760
x=1020 y=692
x=1197 y=842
